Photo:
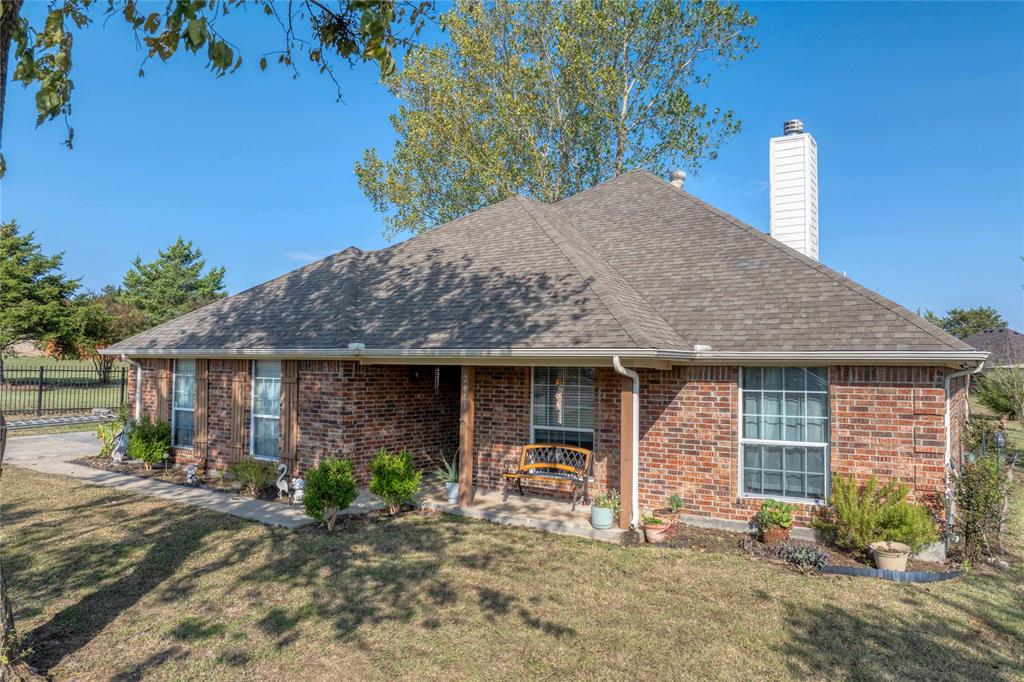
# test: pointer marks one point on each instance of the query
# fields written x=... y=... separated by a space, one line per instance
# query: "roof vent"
x=793 y=126
x=701 y=347
x=355 y=345
x=676 y=178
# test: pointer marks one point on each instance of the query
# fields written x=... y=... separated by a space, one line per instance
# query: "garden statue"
x=120 y=451
x=282 y=480
x=191 y=475
x=298 y=487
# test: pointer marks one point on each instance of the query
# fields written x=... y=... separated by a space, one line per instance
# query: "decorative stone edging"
x=895 y=576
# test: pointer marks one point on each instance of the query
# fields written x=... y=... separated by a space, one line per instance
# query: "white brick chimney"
x=793 y=177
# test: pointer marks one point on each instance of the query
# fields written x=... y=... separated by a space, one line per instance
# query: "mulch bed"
x=176 y=475
x=728 y=542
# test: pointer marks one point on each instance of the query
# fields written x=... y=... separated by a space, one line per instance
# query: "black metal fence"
x=47 y=390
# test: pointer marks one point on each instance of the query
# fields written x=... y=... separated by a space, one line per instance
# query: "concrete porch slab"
x=528 y=512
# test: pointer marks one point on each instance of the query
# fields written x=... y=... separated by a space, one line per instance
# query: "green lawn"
x=109 y=585
x=50 y=362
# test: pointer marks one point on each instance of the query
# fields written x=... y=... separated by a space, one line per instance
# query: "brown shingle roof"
x=633 y=263
x=1005 y=346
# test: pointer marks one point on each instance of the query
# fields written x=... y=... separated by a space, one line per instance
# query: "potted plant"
x=655 y=527
x=449 y=473
x=773 y=521
x=675 y=506
x=890 y=555
x=605 y=509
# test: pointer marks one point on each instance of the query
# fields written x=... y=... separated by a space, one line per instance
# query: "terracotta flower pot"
x=774 y=534
x=655 y=533
x=890 y=556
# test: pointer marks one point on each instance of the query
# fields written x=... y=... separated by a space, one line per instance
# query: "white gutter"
x=138 y=385
x=947 y=422
x=634 y=512
x=681 y=356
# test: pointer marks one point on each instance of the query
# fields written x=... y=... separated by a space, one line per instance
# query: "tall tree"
x=313 y=30
x=963 y=322
x=95 y=322
x=34 y=293
x=171 y=285
x=546 y=99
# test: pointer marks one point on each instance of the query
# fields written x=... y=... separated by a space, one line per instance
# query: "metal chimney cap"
x=676 y=178
x=793 y=126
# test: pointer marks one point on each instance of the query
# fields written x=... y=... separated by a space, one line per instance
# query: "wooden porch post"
x=201 y=439
x=467 y=400
x=625 y=450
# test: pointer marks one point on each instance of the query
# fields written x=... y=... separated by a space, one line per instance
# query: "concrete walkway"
x=52 y=454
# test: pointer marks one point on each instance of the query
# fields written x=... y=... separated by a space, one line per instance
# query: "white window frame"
x=253 y=416
x=534 y=427
x=761 y=441
x=175 y=409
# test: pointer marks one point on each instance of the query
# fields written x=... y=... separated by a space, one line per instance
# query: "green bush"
x=254 y=475
x=911 y=524
x=106 y=434
x=774 y=514
x=149 y=441
x=980 y=433
x=675 y=503
x=330 y=488
x=995 y=390
x=393 y=478
x=856 y=516
x=979 y=492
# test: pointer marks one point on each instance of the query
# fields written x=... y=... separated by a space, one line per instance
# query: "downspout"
x=947 y=422
x=138 y=385
x=634 y=512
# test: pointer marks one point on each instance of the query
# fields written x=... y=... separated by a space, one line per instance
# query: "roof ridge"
x=846 y=282
x=633 y=328
x=634 y=171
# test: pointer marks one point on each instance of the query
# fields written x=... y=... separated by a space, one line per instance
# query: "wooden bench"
x=552 y=462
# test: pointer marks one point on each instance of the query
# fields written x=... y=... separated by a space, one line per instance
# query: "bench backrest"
x=555 y=458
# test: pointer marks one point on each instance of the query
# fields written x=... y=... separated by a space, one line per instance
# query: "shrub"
x=980 y=433
x=910 y=524
x=330 y=488
x=774 y=514
x=979 y=492
x=254 y=475
x=106 y=434
x=856 y=516
x=149 y=441
x=609 y=500
x=806 y=556
x=393 y=478
x=675 y=503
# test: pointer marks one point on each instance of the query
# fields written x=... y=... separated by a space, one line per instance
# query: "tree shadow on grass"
x=839 y=643
x=381 y=571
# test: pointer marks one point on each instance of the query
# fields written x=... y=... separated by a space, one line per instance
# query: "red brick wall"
x=502 y=427
x=350 y=411
x=344 y=410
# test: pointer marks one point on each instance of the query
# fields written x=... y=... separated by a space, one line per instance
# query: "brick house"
x=756 y=371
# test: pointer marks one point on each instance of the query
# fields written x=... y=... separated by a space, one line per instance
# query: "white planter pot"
x=452 y=490
x=601 y=517
x=890 y=556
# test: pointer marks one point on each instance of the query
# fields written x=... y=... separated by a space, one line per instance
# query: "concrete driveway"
x=44 y=451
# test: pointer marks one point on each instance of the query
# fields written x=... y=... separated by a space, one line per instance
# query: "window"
x=785 y=431
x=183 y=405
x=563 y=406
x=266 y=409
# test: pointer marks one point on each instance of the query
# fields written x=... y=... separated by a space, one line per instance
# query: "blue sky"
x=918 y=110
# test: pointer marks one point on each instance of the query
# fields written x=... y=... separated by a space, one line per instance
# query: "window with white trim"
x=183 y=390
x=785 y=432
x=265 y=429
x=563 y=406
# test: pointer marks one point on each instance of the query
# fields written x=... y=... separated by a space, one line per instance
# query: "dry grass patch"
x=115 y=586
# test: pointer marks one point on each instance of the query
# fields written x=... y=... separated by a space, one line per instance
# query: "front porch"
x=530 y=511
